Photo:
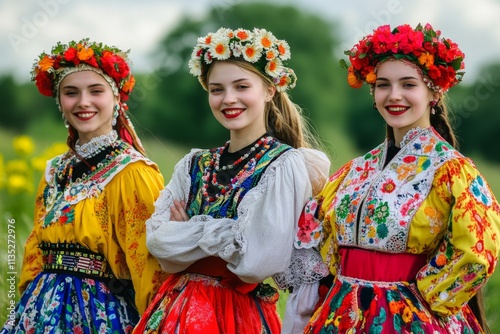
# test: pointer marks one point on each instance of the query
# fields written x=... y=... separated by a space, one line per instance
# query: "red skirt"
x=375 y=293
x=197 y=303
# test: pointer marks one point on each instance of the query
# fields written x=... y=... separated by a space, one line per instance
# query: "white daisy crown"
x=259 y=47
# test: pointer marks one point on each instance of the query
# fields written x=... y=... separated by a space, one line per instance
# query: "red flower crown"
x=440 y=60
x=109 y=60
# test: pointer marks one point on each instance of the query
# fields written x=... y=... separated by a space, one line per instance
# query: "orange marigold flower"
x=353 y=81
x=127 y=87
x=85 y=53
x=46 y=63
x=371 y=78
x=426 y=59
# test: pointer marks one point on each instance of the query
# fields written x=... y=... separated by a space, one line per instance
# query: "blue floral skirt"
x=63 y=303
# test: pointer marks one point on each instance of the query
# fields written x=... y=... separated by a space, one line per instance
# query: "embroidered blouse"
x=251 y=227
x=104 y=211
x=429 y=199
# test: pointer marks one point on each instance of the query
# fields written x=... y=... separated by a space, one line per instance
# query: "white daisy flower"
x=274 y=67
x=219 y=47
x=194 y=66
x=252 y=52
x=243 y=34
x=205 y=41
x=265 y=39
x=283 y=49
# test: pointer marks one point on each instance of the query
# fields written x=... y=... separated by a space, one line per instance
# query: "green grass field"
x=165 y=155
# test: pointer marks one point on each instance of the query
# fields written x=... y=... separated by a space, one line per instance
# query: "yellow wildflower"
x=23 y=145
x=17 y=166
x=17 y=183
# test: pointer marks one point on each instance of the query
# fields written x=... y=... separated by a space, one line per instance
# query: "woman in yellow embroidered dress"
x=86 y=266
x=227 y=219
x=410 y=230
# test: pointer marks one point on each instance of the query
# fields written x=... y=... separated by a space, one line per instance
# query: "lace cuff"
x=306 y=267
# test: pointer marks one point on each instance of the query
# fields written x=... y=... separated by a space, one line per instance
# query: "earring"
x=374 y=106
x=66 y=124
x=115 y=114
x=433 y=105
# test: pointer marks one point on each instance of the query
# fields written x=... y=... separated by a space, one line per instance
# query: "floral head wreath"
x=110 y=62
x=439 y=60
x=259 y=47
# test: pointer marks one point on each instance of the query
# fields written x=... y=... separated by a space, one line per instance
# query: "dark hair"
x=476 y=305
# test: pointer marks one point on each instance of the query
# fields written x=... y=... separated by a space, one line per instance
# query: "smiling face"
x=87 y=103
x=238 y=99
x=402 y=97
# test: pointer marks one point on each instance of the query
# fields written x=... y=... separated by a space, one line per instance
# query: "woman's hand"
x=177 y=212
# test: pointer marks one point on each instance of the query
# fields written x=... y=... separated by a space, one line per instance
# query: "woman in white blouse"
x=227 y=218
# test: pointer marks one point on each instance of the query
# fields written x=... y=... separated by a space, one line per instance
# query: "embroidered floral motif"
x=309 y=227
x=404 y=184
x=388 y=187
x=59 y=202
x=480 y=191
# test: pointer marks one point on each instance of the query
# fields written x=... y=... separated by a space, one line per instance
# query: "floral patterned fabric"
x=60 y=303
x=427 y=200
x=105 y=212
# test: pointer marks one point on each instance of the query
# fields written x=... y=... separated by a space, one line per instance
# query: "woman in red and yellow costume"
x=410 y=230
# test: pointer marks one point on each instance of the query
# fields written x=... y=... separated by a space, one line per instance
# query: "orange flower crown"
x=50 y=69
x=259 y=47
x=440 y=60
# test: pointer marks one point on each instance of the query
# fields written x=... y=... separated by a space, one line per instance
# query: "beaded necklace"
x=214 y=167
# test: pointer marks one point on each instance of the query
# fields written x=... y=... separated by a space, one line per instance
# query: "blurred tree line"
x=170 y=104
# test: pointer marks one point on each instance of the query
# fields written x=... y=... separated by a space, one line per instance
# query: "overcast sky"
x=28 y=29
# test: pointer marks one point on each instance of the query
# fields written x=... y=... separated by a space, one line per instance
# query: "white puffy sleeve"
x=306 y=266
x=256 y=245
x=318 y=168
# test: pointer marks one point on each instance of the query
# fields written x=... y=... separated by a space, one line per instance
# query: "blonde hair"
x=284 y=119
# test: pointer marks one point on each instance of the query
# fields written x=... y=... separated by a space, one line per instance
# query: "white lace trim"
x=95 y=145
x=306 y=267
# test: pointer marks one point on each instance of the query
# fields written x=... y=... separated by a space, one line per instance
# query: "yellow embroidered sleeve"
x=467 y=254
x=135 y=192
x=32 y=258
x=326 y=217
